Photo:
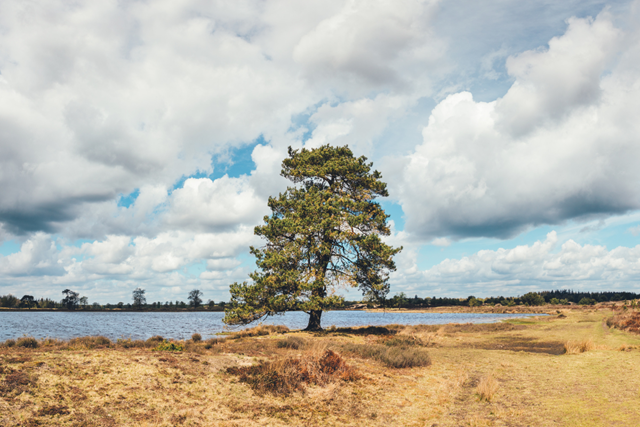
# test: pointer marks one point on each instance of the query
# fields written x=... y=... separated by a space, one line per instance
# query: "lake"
x=180 y=325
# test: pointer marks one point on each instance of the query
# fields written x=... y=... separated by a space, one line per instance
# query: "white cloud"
x=539 y=266
x=492 y=169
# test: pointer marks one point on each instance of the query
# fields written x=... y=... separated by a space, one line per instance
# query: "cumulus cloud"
x=559 y=145
x=540 y=266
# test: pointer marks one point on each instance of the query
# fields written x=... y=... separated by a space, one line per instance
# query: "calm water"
x=181 y=325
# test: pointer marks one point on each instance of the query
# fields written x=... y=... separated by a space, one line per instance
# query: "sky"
x=140 y=140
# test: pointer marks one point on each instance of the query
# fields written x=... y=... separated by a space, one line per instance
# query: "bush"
x=212 y=341
x=282 y=377
x=392 y=356
x=9 y=343
x=154 y=340
x=587 y=301
x=291 y=342
x=27 y=342
x=260 y=330
x=129 y=343
x=169 y=346
x=196 y=337
x=89 y=342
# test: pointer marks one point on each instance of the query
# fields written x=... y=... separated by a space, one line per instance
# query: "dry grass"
x=487 y=388
x=94 y=383
x=577 y=347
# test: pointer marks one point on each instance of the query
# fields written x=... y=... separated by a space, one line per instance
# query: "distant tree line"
x=73 y=301
x=530 y=299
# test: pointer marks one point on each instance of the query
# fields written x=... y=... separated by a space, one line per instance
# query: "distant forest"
x=73 y=301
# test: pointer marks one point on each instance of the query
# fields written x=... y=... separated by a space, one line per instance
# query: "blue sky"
x=140 y=142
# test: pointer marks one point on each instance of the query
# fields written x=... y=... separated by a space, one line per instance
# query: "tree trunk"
x=314 y=321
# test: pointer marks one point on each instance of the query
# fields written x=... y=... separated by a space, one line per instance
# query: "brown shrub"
x=285 y=376
x=487 y=387
x=391 y=356
x=212 y=342
x=27 y=342
x=129 y=343
x=196 y=337
x=577 y=347
x=9 y=343
x=53 y=410
x=259 y=330
x=628 y=321
x=16 y=383
x=154 y=341
x=89 y=342
x=294 y=343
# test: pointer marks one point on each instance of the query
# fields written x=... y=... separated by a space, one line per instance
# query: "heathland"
x=574 y=367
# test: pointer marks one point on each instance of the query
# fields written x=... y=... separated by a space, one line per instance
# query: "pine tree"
x=323 y=233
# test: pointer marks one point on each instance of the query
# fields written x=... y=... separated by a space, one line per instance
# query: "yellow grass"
x=487 y=388
x=514 y=374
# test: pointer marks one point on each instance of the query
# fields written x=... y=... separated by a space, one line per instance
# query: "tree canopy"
x=323 y=234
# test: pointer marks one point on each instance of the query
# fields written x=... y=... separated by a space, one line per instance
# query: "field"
x=568 y=369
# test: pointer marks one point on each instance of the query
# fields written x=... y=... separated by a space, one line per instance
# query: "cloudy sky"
x=140 y=140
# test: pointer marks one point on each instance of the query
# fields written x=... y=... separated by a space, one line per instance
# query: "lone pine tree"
x=323 y=233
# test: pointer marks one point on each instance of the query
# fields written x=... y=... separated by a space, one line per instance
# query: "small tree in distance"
x=70 y=299
x=321 y=235
x=138 y=298
x=195 y=298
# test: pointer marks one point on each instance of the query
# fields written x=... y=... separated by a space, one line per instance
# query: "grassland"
x=516 y=373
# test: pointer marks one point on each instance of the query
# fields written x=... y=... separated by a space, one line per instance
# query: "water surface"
x=180 y=325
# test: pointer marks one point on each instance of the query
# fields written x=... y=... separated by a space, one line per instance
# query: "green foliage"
x=322 y=233
x=474 y=302
x=554 y=301
x=532 y=298
x=587 y=301
x=169 y=346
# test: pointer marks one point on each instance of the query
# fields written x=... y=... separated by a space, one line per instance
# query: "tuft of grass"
x=169 y=346
x=577 y=347
x=196 y=337
x=284 y=376
x=27 y=342
x=487 y=388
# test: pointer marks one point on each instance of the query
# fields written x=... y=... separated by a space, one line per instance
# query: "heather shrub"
x=89 y=342
x=392 y=356
x=169 y=346
x=10 y=343
x=196 y=337
x=294 y=343
x=154 y=340
x=129 y=343
x=27 y=342
x=284 y=376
